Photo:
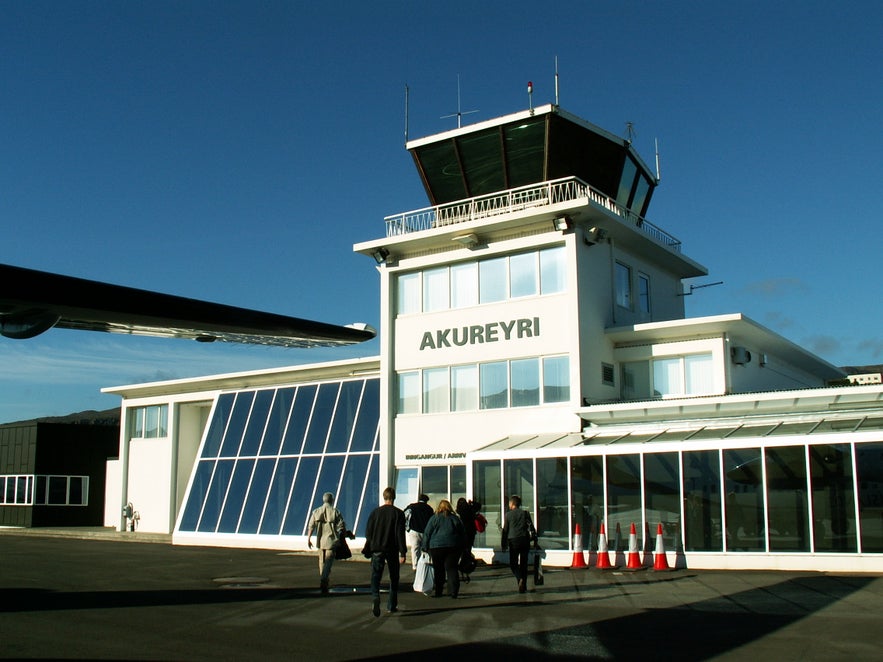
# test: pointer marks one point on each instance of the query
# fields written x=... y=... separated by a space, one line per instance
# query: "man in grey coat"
x=328 y=523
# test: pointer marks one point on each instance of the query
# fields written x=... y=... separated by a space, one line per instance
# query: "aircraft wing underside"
x=32 y=302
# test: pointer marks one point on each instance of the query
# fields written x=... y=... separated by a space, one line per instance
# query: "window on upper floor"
x=623 y=276
x=644 y=293
x=534 y=273
x=668 y=377
x=149 y=422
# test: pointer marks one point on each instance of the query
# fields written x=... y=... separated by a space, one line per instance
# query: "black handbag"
x=342 y=549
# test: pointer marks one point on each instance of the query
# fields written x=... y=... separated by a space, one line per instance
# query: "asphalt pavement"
x=92 y=595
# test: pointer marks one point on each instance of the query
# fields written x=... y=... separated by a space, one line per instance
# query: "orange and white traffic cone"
x=603 y=562
x=633 y=560
x=579 y=559
x=660 y=562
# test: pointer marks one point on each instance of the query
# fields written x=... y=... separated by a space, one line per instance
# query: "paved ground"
x=105 y=598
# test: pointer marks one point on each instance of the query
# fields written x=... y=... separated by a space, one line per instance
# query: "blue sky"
x=235 y=152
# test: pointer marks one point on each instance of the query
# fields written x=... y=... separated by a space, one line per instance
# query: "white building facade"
x=533 y=342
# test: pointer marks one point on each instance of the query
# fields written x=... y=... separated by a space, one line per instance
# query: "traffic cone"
x=633 y=560
x=579 y=559
x=603 y=562
x=660 y=562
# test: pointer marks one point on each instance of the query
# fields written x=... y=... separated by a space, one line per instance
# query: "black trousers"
x=519 y=552
x=444 y=565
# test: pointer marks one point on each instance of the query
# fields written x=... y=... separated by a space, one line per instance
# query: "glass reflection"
x=744 y=505
x=788 y=500
x=833 y=498
x=702 y=501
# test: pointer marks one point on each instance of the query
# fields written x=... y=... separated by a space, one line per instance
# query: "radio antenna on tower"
x=556 y=80
x=656 y=142
x=459 y=114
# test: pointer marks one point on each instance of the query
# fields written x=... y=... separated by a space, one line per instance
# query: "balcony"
x=533 y=197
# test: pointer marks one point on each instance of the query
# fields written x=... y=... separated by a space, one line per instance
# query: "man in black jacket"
x=518 y=533
x=385 y=546
x=416 y=517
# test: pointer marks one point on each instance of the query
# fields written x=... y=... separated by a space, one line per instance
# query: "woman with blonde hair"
x=444 y=537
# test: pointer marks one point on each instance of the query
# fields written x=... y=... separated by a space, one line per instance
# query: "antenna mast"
x=656 y=142
x=556 y=80
x=459 y=114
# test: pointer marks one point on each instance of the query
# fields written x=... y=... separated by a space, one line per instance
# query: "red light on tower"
x=529 y=87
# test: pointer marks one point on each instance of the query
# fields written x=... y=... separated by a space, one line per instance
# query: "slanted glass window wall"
x=776 y=499
x=269 y=455
x=471 y=283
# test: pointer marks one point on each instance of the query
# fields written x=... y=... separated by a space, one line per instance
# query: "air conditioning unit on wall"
x=740 y=355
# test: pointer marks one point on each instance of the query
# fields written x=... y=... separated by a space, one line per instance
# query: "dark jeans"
x=444 y=565
x=519 y=550
x=378 y=560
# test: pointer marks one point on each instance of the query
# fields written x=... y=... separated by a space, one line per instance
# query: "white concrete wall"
x=113 y=489
x=149 y=483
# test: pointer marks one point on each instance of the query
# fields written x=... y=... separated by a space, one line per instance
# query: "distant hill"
x=89 y=417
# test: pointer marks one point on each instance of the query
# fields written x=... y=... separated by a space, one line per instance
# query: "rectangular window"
x=492 y=280
x=149 y=422
x=436 y=290
x=698 y=374
x=623 y=275
x=787 y=499
x=494 y=387
x=523 y=275
x=668 y=377
x=525 y=382
x=702 y=501
x=869 y=467
x=644 y=293
x=556 y=379
x=635 y=382
x=553 y=270
x=436 y=391
x=744 y=507
x=683 y=375
x=833 y=497
x=409 y=393
x=464 y=285
x=408 y=292
x=464 y=388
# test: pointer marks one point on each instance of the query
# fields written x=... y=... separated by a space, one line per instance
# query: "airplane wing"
x=32 y=302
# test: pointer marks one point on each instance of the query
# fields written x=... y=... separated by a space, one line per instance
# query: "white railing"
x=533 y=196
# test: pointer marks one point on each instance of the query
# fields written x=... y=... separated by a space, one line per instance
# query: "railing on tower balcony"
x=534 y=196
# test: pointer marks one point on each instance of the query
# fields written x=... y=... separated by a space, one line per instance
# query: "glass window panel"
x=487 y=480
x=257 y=496
x=218 y=424
x=869 y=465
x=151 y=422
x=523 y=275
x=699 y=374
x=464 y=388
x=57 y=490
x=587 y=496
x=300 y=418
x=236 y=427
x=278 y=419
x=277 y=499
x=372 y=492
x=553 y=270
x=138 y=422
x=352 y=486
x=409 y=392
x=553 y=516
x=301 y=504
x=833 y=498
x=407 y=486
x=199 y=487
x=667 y=377
x=409 y=293
x=787 y=498
x=525 y=382
x=214 y=500
x=329 y=479
x=481 y=156
x=458 y=483
x=640 y=197
x=369 y=416
x=464 y=285
x=163 y=420
x=524 y=151
x=344 y=416
x=435 y=484
x=492 y=285
x=635 y=382
x=236 y=494
x=623 y=494
x=519 y=481
x=744 y=509
x=77 y=493
x=662 y=496
x=629 y=169
x=556 y=379
x=644 y=293
x=436 y=390
x=623 y=277
x=257 y=421
x=702 y=501
x=321 y=418
x=436 y=289
x=494 y=389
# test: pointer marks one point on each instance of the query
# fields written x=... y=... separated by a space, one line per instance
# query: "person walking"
x=385 y=546
x=416 y=516
x=444 y=537
x=329 y=526
x=518 y=533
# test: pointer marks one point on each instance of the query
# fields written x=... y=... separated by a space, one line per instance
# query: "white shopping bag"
x=423 y=579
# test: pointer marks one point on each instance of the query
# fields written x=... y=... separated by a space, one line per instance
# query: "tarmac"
x=92 y=594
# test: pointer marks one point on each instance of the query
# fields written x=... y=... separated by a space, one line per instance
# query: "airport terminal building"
x=533 y=342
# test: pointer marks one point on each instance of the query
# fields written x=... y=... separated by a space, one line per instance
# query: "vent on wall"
x=740 y=355
x=607 y=374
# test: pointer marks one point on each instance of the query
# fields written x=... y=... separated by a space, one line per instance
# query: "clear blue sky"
x=235 y=152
